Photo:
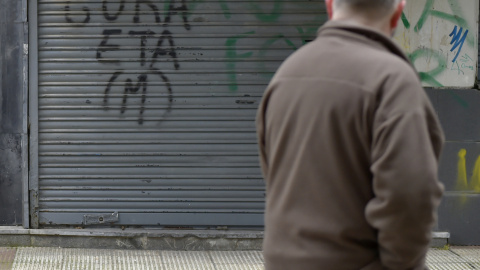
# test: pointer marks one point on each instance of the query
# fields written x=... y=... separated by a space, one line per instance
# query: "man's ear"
x=329 y=4
x=397 y=14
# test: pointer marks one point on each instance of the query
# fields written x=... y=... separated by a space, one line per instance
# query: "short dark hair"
x=368 y=5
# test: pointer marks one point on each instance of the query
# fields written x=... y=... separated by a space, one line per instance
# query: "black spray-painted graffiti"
x=164 y=47
x=142 y=79
x=68 y=14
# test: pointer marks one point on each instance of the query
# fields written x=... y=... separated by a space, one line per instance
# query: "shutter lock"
x=100 y=219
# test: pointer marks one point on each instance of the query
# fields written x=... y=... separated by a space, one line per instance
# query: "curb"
x=148 y=239
x=138 y=239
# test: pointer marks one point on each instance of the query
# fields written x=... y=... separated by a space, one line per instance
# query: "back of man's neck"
x=360 y=21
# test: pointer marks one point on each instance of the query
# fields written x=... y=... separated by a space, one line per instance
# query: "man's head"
x=381 y=14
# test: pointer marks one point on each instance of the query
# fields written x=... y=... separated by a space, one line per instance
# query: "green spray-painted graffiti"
x=405 y=21
x=266 y=48
x=268 y=17
x=232 y=55
x=307 y=32
x=457 y=18
x=429 y=76
x=268 y=14
x=225 y=8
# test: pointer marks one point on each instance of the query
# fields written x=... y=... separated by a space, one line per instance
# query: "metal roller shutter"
x=146 y=108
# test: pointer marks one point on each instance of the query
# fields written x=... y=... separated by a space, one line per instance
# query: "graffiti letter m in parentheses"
x=457 y=40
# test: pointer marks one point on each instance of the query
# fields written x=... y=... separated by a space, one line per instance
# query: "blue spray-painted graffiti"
x=457 y=40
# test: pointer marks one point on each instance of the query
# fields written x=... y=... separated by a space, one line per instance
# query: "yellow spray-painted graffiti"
x=462 y=183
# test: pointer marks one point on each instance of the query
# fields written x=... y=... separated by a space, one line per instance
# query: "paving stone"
x=191 y=260
x=107 y=259
x=7 y=256
x=450 y=266
x=444 y=256
x=237 y=257
x=471 y=254
x=239 y=266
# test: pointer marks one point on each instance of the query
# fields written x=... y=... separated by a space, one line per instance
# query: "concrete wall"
x=440 y=37
x=458 y=111
x=11 y=111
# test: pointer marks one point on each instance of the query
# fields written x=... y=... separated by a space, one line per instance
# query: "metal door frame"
x=31 y=190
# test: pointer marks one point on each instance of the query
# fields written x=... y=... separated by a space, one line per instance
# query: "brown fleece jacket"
x=349 y=147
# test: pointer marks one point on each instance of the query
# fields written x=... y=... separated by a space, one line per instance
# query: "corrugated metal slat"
x=147 y=108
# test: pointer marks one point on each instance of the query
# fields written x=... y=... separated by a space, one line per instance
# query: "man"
x=349 y=147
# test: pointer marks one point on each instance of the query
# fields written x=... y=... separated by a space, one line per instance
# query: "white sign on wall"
x=441 y=39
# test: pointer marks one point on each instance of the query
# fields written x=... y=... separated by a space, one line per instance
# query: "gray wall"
x=11 y=113
x=459 y=212
x=458 y=111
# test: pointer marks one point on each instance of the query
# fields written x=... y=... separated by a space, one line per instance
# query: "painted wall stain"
x=462 y=182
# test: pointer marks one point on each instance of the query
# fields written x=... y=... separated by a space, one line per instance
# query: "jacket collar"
x=338 y=27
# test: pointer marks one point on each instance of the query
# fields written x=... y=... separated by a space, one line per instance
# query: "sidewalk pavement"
x=38 y=258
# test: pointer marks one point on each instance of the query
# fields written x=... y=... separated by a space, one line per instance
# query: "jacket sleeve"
x=260 y=128
x=406 y=145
